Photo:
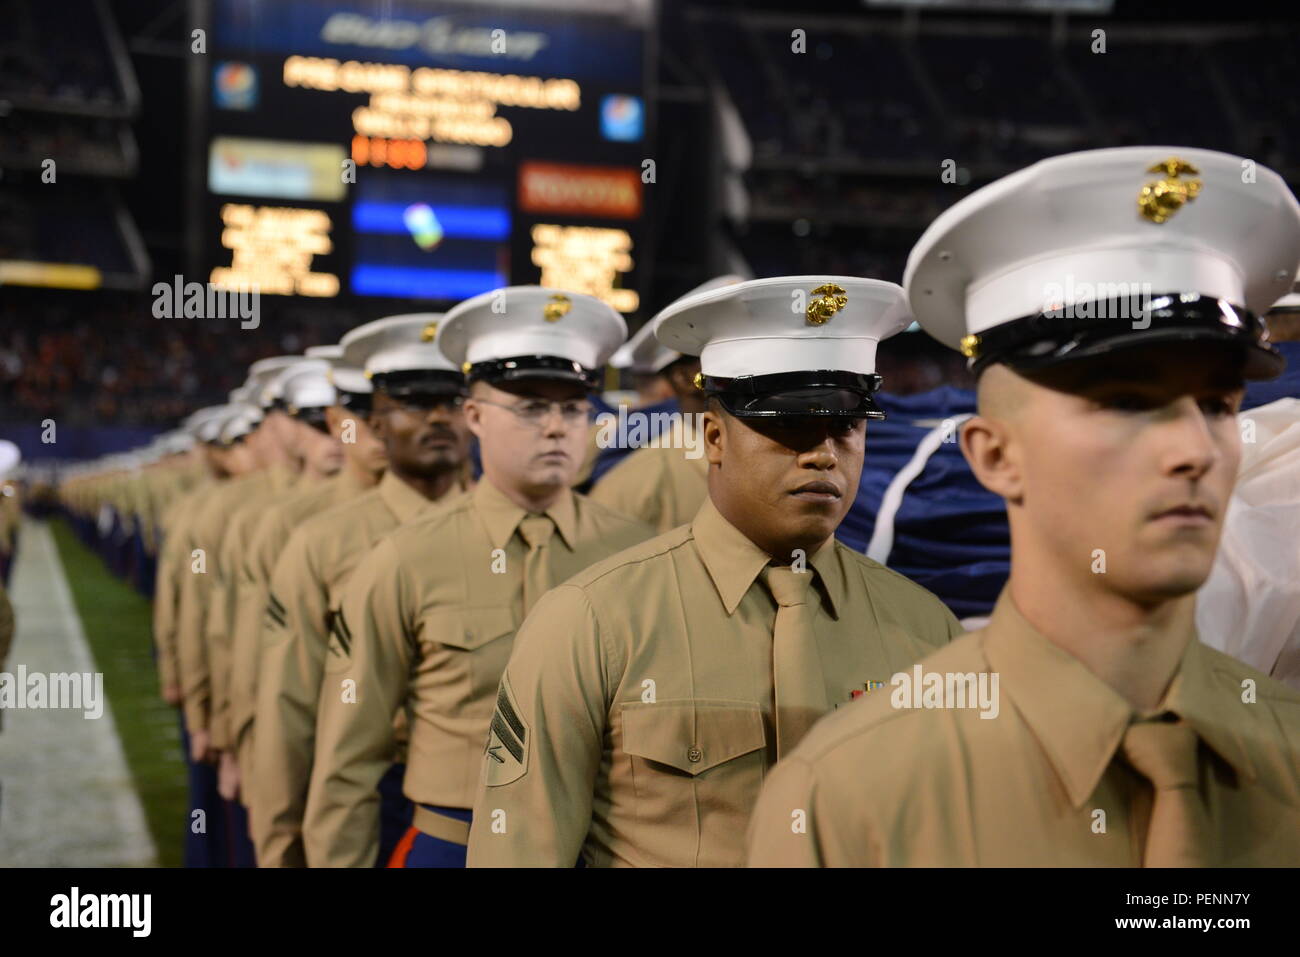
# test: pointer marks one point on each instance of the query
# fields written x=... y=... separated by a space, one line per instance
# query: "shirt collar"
x=1078 y=719
x=733 y=561
x=347 y=482
x=402 y=500
x=502 y=516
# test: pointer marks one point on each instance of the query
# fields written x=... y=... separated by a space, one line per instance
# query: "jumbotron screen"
x=423 y=150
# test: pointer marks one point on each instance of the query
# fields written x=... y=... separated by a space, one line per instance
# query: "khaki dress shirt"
x=661 y=487
x=635 y=720
x=1040 y=784
x=427 y=621
x=306 y=583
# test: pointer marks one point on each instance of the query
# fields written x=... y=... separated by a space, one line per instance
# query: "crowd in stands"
x=57 y=51
x=101 y=358
x=83 y=144
x=75 y=224
x=889 y=95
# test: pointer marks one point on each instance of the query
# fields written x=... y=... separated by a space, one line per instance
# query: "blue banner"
x=443 y=35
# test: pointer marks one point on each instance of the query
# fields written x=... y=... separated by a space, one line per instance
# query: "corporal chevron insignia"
x=508 y=740
x=340 y=637
x=275 y=614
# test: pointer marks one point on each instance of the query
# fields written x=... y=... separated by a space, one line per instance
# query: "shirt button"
x=694 y=755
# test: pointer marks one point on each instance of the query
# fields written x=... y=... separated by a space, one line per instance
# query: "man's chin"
x=550 y=477
x=808 y=527
x=1168 y=580
x=437 y=460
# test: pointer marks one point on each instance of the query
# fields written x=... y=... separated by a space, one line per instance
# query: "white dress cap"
x=242 y=421
x=785 y=324
x=208 y=428
x=344 y=377
x=518 y=322
x=405 y=343
x=9 y=457
x=195 y=421
x=263 y=385
x=278 y=386
x=309 y=387
x=1291 y=301
x=1103 y=224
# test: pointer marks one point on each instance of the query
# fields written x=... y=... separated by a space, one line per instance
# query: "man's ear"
x=714 y=434
x=334 y=416
x=377 y=421
x=681 y=377
x=473 y=416
x=991 y=449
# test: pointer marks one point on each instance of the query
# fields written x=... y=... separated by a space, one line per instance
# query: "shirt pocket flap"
x=692 y=736
x=467 y=628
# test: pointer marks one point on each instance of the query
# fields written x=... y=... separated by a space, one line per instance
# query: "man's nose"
x=819 y=456
x=553 y=423
x=1191 y=450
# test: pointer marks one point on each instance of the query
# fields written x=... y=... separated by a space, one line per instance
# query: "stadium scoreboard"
x=423 y=150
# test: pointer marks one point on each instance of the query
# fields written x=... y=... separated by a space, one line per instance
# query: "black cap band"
x=532 y=367
x=1106 y=325
x=359 y=402
x=419 y=382
x=821 y=393
x=313 y=416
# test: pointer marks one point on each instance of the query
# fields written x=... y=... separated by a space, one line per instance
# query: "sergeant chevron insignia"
x=340 y=645
x=508 y=740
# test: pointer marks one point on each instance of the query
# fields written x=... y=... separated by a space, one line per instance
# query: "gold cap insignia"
x=699 y=380
x=369 y=374
x=557 y=307
x=430 y=332
x=828 y=299
x=970 y=346
x=1161 y=199
x=466 y=366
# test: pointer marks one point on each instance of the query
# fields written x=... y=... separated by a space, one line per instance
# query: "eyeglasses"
x=535 y=412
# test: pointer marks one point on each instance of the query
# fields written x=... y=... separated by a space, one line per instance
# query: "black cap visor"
x=533 y=367
x=1100 y=328
x=313 y=416
x=822 y=393
x=415 y=382
x=358 y=402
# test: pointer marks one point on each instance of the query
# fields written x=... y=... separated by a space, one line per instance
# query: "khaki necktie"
x=796 y=663
x=1165 y=753
x=536 y=531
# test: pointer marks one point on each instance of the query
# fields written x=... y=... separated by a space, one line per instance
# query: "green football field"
x=117 y=622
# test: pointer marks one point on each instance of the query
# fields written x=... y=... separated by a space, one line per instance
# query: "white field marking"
x=66 y=795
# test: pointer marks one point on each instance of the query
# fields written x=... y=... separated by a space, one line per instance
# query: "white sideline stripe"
x=67 y=796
